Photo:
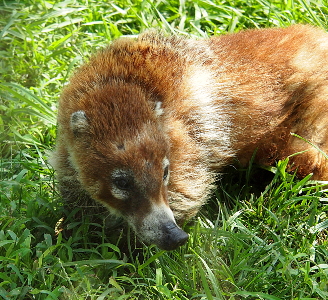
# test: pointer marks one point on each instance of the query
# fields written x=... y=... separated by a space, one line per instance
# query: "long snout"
x=159 y=227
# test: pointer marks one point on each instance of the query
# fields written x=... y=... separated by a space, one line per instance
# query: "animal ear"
x=158 y=108
x=79 y=123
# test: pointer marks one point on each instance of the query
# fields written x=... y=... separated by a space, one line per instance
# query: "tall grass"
x=263 y=235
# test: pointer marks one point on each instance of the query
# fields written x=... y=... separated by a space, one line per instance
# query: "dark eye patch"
x=122 y=183
x=122 y=179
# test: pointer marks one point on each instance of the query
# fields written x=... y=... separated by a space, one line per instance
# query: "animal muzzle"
x=159 y=227
x=172 y=237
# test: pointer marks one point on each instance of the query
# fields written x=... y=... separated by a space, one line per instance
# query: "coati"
x=146 y=125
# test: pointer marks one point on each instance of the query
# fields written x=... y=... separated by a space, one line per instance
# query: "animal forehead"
x=148 y=160
x=137 y=168
x=116 y=107
x=120 y=97
x=161 y=163
x=149 y=143
x=137 y=149
x=151 y=155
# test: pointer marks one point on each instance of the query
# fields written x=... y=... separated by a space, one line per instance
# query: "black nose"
x=173 y=237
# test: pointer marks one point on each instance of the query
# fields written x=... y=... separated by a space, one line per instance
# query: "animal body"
x=146 y=125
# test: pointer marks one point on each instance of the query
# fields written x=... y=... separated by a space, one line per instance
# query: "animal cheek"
x=106 y=197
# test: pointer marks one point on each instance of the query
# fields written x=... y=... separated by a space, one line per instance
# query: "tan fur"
x=200 y=103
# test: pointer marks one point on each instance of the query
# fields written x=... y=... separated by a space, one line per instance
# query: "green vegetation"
x=257 y=238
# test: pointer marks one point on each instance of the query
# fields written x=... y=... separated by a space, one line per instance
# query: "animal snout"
x=174 y=236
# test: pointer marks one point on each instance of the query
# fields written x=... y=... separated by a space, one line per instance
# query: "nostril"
x=183 y=238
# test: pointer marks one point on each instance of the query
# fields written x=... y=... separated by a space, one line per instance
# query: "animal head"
x=122 y=157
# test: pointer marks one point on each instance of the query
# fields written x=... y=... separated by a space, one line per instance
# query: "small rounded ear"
x=158 y=108
x=79 y=123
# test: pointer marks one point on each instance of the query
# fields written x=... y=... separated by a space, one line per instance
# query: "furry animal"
x=147 y=124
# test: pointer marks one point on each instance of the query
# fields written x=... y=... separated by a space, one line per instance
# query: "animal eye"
x=166 y=173
x=122 y=183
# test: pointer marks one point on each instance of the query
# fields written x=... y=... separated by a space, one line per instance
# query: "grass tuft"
x=264 y=233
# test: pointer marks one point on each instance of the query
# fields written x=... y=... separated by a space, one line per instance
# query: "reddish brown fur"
x=222 y=99
x=284 y=91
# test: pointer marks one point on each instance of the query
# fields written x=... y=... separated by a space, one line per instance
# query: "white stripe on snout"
x=160 y=213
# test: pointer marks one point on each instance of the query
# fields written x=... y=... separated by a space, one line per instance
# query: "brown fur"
x=221 y=99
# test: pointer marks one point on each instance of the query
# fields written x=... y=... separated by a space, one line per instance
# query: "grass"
x=263 y=235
